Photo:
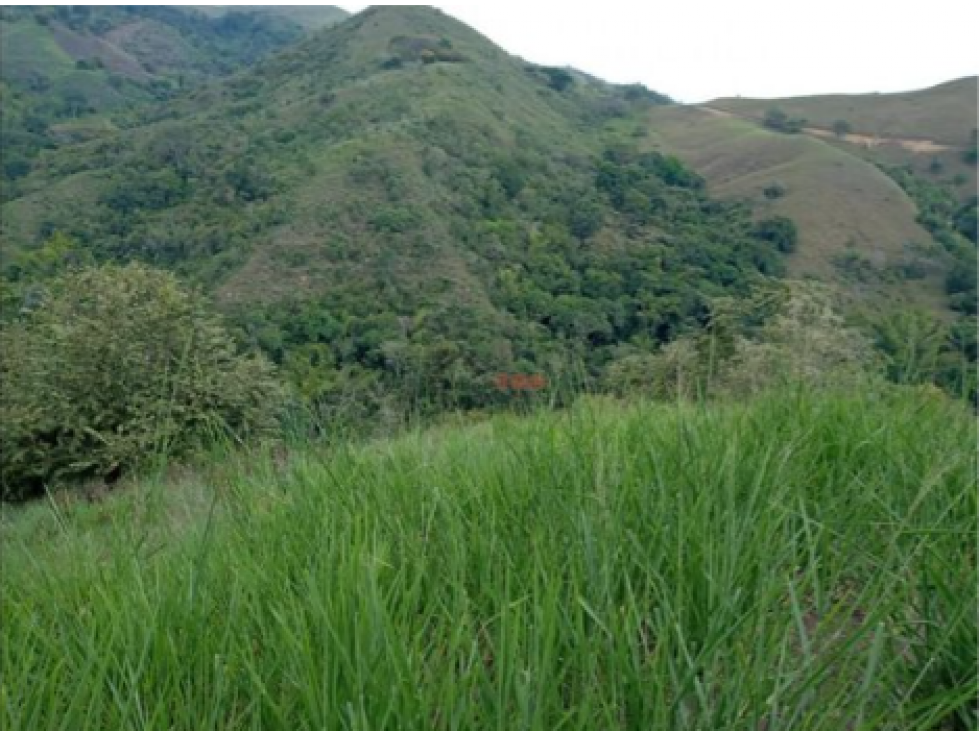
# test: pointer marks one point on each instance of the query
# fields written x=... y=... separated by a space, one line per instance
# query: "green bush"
x=117 y=364
x=776 y=119
x=784 y=334
x=842 y=128
x=780 y=231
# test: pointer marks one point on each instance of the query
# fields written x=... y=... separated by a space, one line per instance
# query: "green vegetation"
x=777 y=120
x=919 y=349
x=402 y=232
x=774 y=190
x=557 y=79
x=65 y=69
x=309 y=16
x=435 y=389
x=780 y=231
x=971 y=155
x=794 y=562
x=953 y=225
x=845 y=209
x=113 y=366
x=785 y=334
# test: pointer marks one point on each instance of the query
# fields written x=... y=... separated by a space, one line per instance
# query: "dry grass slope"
x=927 y=129
x=840 y=202
x=945 y=113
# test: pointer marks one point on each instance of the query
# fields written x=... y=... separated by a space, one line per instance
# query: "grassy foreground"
x=793 y=562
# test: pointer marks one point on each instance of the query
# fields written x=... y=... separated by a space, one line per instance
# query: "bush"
x=776 y=119
x=971 y=154
x=842 y=128
x=784 y=334
x=116 y=364
x=774 y=190
x=556 y=78
x=780 y=231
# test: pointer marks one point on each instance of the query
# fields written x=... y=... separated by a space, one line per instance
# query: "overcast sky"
x=695 y=50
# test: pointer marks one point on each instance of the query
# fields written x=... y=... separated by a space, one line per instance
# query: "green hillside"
x=308 y=16
x=398 y=196
x=65 y=70
x=797 y=562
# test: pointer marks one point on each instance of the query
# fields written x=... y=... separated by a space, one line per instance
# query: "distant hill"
x=929 y=129
x=857 y=225
x=398 y=196
x=842 y=205
x=64 y=68
x=945 y=113
x=309 y=16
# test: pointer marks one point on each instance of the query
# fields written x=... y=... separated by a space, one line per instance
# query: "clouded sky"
x=695 y=50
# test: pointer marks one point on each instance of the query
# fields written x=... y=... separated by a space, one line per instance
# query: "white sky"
x=695 y=50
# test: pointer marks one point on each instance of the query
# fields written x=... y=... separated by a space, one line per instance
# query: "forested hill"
x=396 y=196
x=67 y=72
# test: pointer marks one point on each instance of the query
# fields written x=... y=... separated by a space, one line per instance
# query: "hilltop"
x=944 y=114
x=929 y=129
x=308 y=16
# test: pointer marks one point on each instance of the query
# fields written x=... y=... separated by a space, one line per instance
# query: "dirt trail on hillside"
x=913 y=145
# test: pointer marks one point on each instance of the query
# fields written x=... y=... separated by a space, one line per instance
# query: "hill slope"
x=928 y=129
x=62 y=67
x=871 y=181
x=944 y=114
x=396 y=195
x=845 y=207
x=308 y=16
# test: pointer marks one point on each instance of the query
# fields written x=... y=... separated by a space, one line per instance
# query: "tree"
x=557 y=79
x=115 y=365
x=780 y=231
x=776 y=119
x=971 y=154
x=75 y=103
x=842 y=128
x=774 y=190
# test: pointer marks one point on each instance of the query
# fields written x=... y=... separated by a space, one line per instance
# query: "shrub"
x=115 y=364
x=780 y=231
x=556 y=78
x=778 y=120
x=774 y=190
x=842 y=128
x=800 y=339
x=971 y=154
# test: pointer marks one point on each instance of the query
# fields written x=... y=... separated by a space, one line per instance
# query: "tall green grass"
x=798 y=561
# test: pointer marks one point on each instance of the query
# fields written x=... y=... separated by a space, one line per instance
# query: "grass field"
x=799 y=561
